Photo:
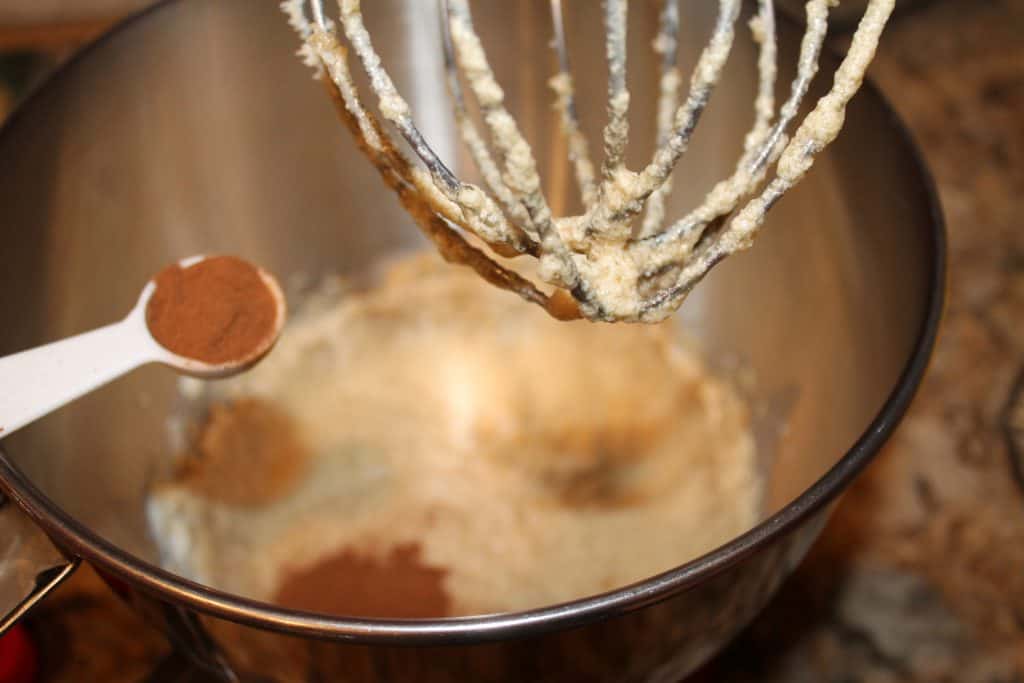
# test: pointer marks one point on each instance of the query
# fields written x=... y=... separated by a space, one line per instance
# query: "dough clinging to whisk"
x=621 y=259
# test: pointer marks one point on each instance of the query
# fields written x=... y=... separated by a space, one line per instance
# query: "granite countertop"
x=920 y=575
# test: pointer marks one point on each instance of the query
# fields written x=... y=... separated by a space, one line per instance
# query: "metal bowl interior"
x=193 y=128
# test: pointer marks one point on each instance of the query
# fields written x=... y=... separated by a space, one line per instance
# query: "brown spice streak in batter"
x=349 y=584
x=249 y=452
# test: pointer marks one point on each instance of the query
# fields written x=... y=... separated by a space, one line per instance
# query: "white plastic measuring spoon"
x=36 y=382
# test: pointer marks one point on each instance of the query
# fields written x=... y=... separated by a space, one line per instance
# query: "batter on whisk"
x=607 y=263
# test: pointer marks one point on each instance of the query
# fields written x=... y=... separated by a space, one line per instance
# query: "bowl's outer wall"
x=658 y=643
x=196 y=130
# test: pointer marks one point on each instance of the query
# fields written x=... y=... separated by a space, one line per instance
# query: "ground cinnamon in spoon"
x=219 y=310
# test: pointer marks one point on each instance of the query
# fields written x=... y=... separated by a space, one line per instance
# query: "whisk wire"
x=613 y=271
x=565 y=103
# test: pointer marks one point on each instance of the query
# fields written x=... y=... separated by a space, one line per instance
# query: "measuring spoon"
x=38 y=381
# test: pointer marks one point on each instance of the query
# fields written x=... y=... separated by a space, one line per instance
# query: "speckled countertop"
x=920 y=575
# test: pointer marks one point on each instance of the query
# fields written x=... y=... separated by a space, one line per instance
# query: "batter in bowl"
x=434 y=447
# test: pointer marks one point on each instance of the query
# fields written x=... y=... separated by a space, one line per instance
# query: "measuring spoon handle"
x=36 y=382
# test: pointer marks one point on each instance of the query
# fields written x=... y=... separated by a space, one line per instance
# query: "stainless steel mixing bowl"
x=193 y=128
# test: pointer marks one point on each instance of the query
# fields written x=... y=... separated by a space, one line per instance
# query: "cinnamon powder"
x=399 y=586
x=249 y=452
x=216 y=311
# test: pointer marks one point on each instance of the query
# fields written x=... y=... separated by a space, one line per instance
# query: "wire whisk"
x=622 y=258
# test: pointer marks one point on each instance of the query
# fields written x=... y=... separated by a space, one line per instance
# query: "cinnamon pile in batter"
x=466 y=454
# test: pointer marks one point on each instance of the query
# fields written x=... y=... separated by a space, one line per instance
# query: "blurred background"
x=921 y=576
x=58 y=24
x=35 y=35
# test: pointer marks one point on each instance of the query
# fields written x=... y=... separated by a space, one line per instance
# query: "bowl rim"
x=79 y=541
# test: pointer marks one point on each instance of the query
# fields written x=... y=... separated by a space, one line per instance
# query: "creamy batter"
x=522 y=461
